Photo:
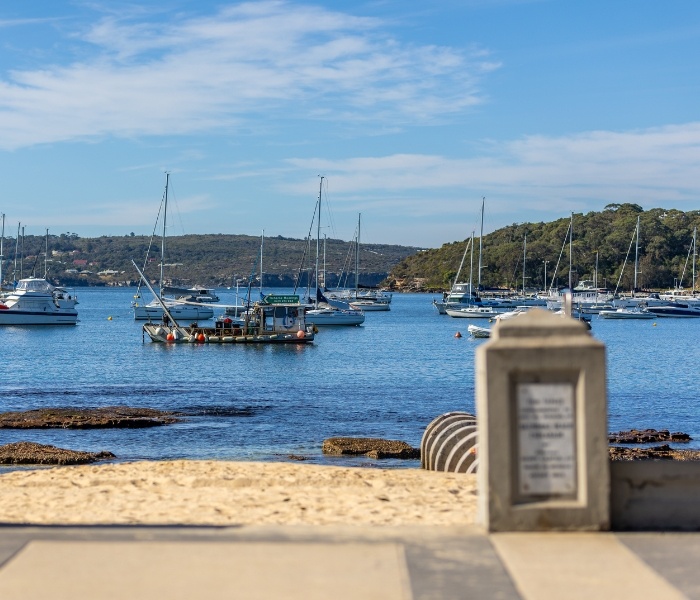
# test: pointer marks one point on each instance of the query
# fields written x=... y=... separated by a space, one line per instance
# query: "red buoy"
x=301 y=335
x=200 y=337
x=170 y=337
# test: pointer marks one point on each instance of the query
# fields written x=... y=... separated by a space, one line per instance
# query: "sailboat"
x=366 y=302
x=462 y=294
x=322 y=312
x=639 y=309
x=179 y=309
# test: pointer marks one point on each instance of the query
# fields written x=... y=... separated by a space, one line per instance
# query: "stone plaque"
x=546 y=439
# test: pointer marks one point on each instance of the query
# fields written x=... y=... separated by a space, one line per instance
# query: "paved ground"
x=341 y=563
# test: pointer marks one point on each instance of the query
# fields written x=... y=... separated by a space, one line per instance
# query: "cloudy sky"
x=412 y=111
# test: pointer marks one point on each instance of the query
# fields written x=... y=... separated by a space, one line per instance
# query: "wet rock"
x=370 y=447
x=31 y=453
x=663 y=452
x=87 y=418
x=647 y=436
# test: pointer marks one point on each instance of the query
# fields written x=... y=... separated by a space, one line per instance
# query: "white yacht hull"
x=24 y=317
x=324 y=317
x=184 y=312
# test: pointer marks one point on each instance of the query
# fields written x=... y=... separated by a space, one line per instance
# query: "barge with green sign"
x=275 y=320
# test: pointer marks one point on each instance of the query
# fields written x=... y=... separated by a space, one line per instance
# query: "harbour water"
x=388 y=378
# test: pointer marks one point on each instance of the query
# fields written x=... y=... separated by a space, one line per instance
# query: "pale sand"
x=235 y=493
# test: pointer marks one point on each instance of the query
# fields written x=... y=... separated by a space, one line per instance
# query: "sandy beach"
x=235 y=493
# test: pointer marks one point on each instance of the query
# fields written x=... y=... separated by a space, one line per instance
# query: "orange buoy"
x=170 y=337
x=458 y=335
x=301 y=335
x=200 y=337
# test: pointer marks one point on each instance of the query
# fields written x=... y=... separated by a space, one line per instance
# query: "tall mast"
x=324 y=260
x=318 y=234
x=14 y=270
x=2 y=241
x=46 y=256
x=571 y=250
x=262 y=240
x=471 y=270
x=695 y=237
x=162 y=240
x=524 y=255
x=636 y=258
x=21 y=256
x=481 y=237
x=357 y=256
x=595 y=274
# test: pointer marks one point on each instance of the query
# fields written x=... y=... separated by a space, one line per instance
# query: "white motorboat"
x=36 y=302
x=479 y=332
x=675 y=309
x=627 y=313
x=193 y=294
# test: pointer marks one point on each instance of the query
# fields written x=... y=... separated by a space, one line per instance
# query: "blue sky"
x=411 y=110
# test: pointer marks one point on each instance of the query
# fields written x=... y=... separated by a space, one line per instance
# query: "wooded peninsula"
x=603 y=244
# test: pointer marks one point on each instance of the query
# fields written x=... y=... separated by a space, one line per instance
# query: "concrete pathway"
x=417 y=563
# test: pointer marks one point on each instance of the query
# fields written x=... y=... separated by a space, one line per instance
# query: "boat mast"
x=318 y=235
x=636 y=258
x=21 y=257
x=162 y=240
x=471 y=270
x=14 y=270
x=46 y=257
x=262 y=240
x=524 y=255
x=357 y=256
x=571 y=250
x=595 y=274
x=2 y=241
x=695 y=237
x=325 y=237
x=481 y=237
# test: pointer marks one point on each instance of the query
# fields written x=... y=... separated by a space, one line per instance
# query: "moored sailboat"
x=184 y=309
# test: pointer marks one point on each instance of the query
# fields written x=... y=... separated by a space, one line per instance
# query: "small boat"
x=479 y=332
x=472 y=312
x=627 y=313
x=36 y=302
x=369 y=304
x=193 y=294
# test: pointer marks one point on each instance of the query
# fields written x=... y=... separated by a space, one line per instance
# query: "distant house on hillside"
x=80 y=262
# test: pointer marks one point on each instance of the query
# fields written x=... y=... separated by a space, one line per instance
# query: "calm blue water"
x=388 y=378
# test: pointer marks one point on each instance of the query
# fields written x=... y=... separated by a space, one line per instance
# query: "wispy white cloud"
x=211 y=73
x=652 y=167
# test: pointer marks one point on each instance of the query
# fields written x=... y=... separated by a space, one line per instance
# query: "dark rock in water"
x=30 y=453
x=87 y=418
x=371 y=447
x=647 y=436
x=297 y=457
x=664 y=452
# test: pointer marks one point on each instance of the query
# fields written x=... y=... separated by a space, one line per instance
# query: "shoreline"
x=226 y=493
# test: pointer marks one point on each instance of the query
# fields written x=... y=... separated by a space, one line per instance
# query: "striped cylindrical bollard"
x=449 y=444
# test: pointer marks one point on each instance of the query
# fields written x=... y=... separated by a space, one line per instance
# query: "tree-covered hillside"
x=209 y=260
x=664 y=244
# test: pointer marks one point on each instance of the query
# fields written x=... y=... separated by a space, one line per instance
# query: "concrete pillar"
x=542 y=426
